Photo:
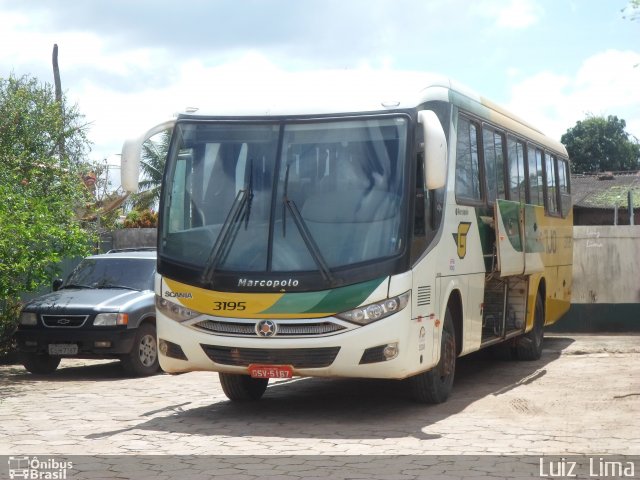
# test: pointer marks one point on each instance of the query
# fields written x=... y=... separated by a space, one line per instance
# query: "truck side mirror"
x=435 y=150
x=57 y=283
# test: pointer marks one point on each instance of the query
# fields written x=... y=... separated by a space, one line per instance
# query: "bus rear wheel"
x=529 y=345
x=242 y=388
x=434 y=386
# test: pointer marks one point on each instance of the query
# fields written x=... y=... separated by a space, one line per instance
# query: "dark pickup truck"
x=105 y=309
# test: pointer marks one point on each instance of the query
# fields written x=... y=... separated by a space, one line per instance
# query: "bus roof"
x=362 y=91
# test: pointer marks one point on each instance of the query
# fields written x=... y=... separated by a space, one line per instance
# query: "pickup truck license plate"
x=271 y=371
x=63 y=349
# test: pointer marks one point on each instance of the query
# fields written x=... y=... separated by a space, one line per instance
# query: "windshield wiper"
x=250 y=197
x=310 y=243
x=76 y=285
x=113 y=285
x=226 y=234
x=230 y=227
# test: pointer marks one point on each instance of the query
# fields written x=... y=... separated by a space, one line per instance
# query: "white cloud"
x=510 y=14
x=124 y=85
x=249 y=83
x=605 y=84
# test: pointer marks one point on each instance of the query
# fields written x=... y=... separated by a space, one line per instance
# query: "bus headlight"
x=375 y=311
x=174 y=311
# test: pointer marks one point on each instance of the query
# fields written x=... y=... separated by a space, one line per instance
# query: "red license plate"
x=271 y=371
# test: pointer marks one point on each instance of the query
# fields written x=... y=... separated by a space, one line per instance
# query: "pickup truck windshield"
x=127 y=273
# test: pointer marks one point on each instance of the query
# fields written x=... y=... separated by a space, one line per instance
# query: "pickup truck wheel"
x=242 y=388
x=142 y=361
x=40 y=363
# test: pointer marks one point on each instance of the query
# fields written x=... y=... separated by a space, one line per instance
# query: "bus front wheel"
x=434 y=386
x=242 y=388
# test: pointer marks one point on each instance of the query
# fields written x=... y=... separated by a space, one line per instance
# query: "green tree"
x=632 y=11
x=154 y=156
x=38 y=188
x=599 y=144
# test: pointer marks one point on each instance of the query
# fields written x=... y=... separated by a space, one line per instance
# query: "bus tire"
x=242 y=388
x=434 y=386
x=529 y=345
x=40 y=363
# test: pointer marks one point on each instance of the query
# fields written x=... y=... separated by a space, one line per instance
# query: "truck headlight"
x=110 y=319
x=375 y=311
x=174 y=311
x=28 y=318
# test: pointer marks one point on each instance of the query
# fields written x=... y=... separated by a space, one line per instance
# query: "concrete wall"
x=606 y=264
x=128 y=238
x=606 y=280
x=134 y=237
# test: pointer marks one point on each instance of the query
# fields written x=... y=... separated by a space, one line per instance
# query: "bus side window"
x=420 y=220
x=563 y=186
x=179 y=207
x=467 y=162
x=536 y=186
x=494 y=163
x=426 y=200
x=427 y=213
x=517 y=189
x=550 y=180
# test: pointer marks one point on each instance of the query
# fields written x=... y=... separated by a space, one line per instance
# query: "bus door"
x=533 y=238
x=506 y=286
x=520 y=238
x=509 y=221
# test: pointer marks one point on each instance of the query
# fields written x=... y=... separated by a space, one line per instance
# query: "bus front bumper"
x=365 y=352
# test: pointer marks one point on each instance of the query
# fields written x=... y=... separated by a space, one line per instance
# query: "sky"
x=130 y=64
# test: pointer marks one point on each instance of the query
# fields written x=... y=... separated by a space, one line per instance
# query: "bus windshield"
x=284 y=197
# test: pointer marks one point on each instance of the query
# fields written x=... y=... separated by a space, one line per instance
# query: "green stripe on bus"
x=510 y=212
x=327 y=301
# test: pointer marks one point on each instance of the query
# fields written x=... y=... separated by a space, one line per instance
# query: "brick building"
x=595 y=197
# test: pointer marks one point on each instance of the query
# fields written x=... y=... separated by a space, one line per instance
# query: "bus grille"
x=296 y=357
x=284 y=329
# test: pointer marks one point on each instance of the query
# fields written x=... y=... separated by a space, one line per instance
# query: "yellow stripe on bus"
x=228 y=304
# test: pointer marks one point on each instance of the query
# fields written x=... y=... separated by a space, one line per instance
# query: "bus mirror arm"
x=435 y=150
x=131 y=151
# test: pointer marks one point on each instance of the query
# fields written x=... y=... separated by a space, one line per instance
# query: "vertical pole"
x=615 y=214
x=630 y=200
x=56 y=73
x=58 y=92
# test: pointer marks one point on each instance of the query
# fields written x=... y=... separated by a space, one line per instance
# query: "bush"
x=141 y=219
x=8 y=322
x=42 y=146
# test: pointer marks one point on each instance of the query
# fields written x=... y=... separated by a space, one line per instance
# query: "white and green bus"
x=382 y=241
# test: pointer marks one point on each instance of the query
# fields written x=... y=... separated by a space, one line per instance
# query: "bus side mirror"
x=435 y=150
x=131 y=151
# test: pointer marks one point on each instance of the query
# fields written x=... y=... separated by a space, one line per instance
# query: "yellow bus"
x=382 y=240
